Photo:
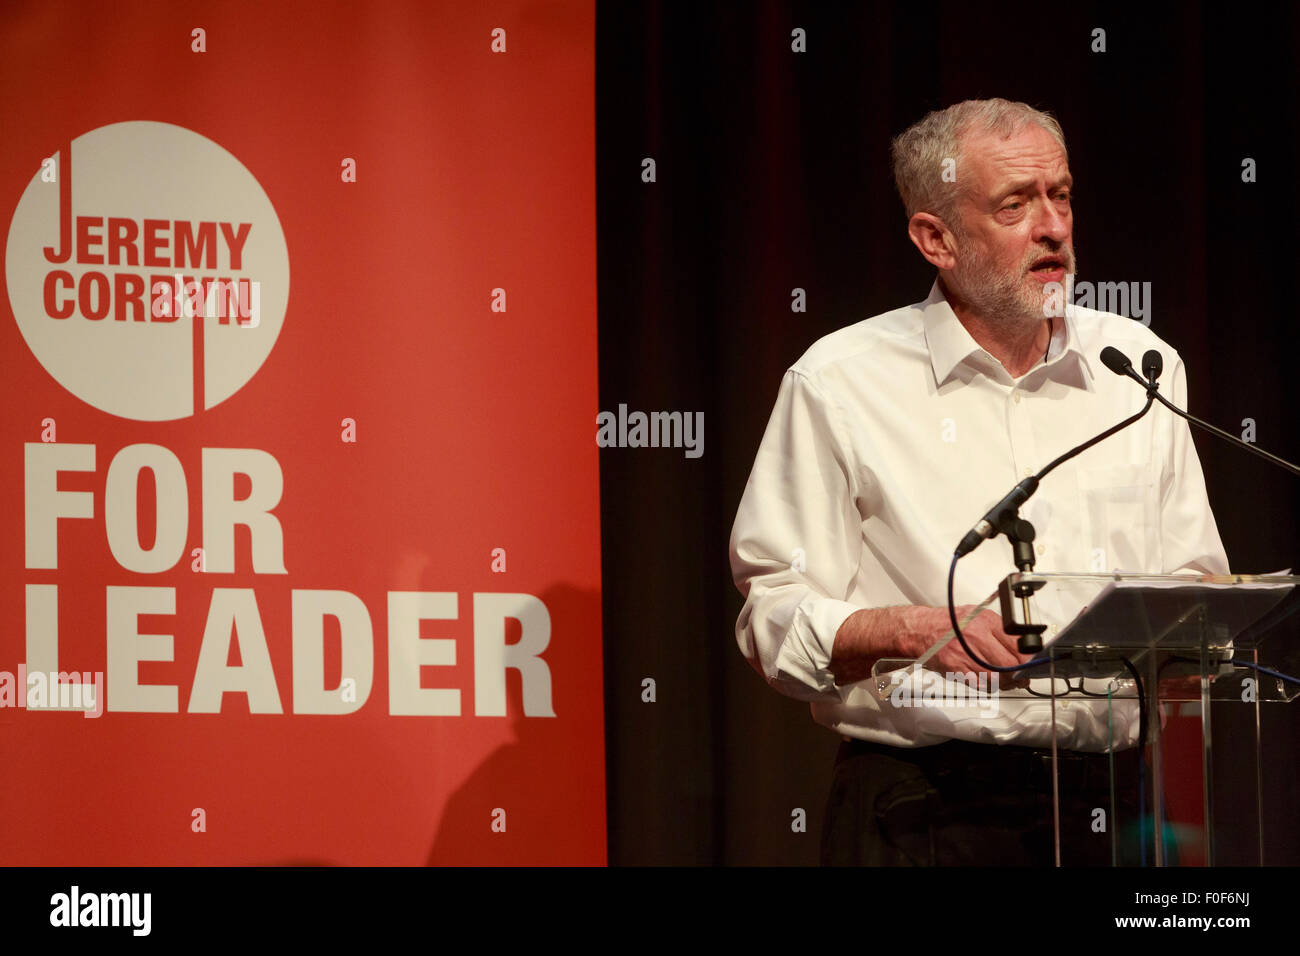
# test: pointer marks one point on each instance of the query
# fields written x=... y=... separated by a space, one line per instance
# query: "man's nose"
x=1052 y=223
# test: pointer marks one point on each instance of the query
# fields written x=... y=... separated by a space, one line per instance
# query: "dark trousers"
x=966 y=804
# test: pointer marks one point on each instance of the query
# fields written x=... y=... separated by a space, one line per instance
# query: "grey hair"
x=919 y=151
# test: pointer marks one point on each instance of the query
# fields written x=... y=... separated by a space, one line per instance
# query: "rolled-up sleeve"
x=797 y=542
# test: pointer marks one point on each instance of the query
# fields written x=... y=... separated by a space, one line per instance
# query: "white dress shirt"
x=890 y=439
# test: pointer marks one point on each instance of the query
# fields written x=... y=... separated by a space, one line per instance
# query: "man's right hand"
x=907 y=632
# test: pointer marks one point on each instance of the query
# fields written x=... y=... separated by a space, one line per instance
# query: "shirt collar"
x=950 y=346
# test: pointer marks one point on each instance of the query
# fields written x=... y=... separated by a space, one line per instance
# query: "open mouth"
x=1047 y=264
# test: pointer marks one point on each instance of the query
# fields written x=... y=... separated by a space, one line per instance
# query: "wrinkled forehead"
x=995 y=162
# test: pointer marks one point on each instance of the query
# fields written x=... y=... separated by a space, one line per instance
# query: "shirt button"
x=1015 y=397
x=1028 y=472
x=1042 y=549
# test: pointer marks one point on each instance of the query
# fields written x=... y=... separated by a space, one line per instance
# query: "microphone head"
x=1153 y=363
x=1115 y=360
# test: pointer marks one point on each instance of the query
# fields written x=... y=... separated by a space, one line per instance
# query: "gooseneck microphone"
x=991 y=524
x=1118 y=362
x=1004 y=518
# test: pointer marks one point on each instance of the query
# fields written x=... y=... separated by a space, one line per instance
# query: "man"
x=890 y=438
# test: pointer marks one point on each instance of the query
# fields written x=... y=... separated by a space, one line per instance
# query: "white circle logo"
x=147 y=271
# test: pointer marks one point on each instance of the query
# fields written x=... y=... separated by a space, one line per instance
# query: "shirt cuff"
x=805 y=655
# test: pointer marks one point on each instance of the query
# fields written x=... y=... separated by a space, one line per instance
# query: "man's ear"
x=935 y=240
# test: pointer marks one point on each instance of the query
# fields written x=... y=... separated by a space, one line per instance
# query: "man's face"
x=1015 y=228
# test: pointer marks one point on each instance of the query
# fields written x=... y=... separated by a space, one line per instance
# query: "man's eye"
x=1011 y=206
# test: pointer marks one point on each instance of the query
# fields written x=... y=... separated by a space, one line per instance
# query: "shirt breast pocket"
x=1119 y=513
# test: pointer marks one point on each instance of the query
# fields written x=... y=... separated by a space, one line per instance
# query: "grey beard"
x=1002 y=298
x=999 y=297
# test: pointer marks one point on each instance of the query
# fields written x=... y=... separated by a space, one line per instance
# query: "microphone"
x=988 y=526
x=1153 y=363
x=1118 y=362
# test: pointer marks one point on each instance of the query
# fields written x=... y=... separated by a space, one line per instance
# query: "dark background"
x=773 y=173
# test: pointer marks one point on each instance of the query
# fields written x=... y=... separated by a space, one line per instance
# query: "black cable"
x=961 y=638
x=1142 y=706
x=1137 y=680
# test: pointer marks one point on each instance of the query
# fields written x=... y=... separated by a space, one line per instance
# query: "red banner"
x=302 y=556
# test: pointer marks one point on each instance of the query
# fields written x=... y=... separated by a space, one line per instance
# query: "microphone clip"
x=1021 y=535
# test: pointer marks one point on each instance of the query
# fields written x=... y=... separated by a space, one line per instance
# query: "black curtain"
x=772 y=173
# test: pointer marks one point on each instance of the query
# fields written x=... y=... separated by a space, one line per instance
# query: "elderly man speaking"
x=889 y=439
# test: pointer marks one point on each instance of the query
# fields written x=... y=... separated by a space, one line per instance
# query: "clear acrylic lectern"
x=1203 y=652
